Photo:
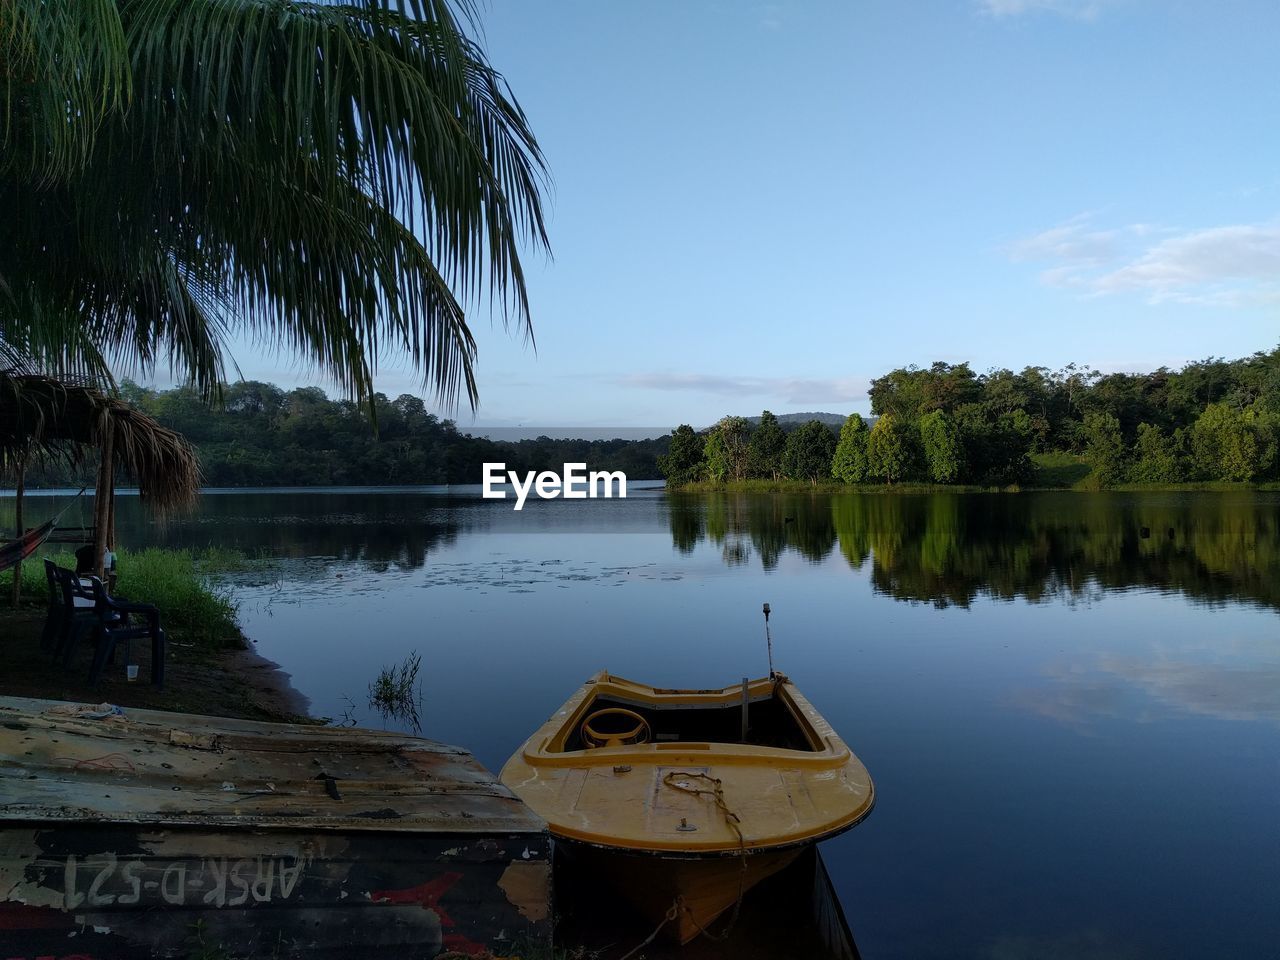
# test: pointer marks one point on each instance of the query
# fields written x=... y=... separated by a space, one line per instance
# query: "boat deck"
x=130 y=831
x=690 y=796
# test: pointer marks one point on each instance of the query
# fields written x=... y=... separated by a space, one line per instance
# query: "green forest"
x=261 y=435
x=1213 y=420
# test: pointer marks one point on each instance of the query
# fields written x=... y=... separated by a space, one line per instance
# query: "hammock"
x=14 y=552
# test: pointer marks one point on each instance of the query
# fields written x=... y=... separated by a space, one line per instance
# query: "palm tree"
x=333 y=180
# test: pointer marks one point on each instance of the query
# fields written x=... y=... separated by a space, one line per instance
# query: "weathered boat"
x=685 y=799
x=794 y=914
x=146 y=834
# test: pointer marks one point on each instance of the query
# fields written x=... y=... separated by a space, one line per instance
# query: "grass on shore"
x=1058 y=471
x=181 y=583
x=210 y=668
x=1071 y=471
x=832 y=486
x=1210 y=486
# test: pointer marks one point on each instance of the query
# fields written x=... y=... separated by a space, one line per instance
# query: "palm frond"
x=63 y=66
x=36 y=337
x=332 y=180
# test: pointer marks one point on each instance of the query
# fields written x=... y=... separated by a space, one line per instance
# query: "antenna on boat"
x=768 y=639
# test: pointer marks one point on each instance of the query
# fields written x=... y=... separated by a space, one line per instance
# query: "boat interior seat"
x=771 y=724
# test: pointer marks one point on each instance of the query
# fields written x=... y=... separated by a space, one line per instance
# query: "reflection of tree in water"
x=392 y=532
x=808 y=524
x=685 y=516
x=950 y=548
x=773 y=523
x=766 y=525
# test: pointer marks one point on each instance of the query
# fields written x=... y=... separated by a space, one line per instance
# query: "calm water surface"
x=1070 y=703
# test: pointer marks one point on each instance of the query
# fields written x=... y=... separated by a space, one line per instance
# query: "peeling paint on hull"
x=451 y=861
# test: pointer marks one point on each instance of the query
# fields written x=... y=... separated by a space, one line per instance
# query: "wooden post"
x=111 y=534
x=17 y=520
x=111 y=519
x=102 y=498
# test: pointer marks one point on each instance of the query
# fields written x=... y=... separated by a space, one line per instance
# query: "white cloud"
x=1233 y=265
x=798 y=390
x=1074 y=9
x=1220 y=262
x=1071 y=242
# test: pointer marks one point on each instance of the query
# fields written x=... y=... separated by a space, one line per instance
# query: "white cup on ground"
x=131 y=671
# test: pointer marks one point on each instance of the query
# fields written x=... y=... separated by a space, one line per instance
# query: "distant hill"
x=795 y=419
x=789 y=421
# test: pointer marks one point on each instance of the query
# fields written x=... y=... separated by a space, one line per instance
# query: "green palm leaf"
x=335 y=181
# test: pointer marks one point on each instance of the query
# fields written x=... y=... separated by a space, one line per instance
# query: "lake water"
x=1070 y=703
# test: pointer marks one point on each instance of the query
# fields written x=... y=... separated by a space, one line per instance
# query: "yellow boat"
x=685 y=799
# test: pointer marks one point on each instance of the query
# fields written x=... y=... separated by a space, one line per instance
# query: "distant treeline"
x=261 y=435
x=1210 y=421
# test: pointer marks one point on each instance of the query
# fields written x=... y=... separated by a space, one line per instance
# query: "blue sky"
x=768 y=204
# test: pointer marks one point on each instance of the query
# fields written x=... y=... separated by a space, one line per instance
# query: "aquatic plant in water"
x=396 y=694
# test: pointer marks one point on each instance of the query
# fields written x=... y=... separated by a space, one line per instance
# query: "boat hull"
x=713 y=791
x=701 y=889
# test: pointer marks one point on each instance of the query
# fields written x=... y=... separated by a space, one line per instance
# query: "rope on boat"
x=716 y=792
x=678 y=906
x=672 y=912
x=723 y=934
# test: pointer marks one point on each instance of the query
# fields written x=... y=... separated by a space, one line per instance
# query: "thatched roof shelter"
x=41 y=416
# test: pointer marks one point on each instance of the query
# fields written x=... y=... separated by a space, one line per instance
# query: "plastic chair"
x=53 y=615
x=72 y=611
x=121 y=620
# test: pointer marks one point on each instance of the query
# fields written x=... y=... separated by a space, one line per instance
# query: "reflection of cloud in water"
x=1163 y=689
x=1232 y=693
x=1075 y=701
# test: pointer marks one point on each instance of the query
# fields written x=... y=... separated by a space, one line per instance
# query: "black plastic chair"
x=53 y=615
x=119 y=620
x=87 y=608
x=72 y=611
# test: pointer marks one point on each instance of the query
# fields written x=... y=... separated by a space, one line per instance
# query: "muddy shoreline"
x=226 y=682
x=272 y=685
